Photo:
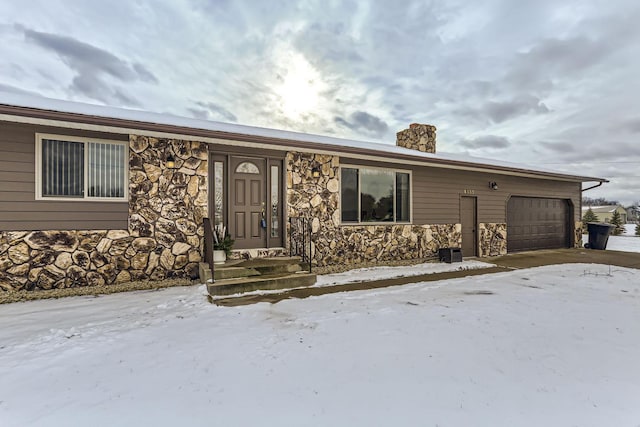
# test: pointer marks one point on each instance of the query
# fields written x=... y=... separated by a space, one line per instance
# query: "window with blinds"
x=74 y=168
x=62 y=168
x=106 y=170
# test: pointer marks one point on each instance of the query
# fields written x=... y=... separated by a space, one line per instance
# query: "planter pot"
x=219 y=257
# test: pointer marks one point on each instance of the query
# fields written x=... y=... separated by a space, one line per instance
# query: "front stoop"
x=240 y=276
x=261 y=283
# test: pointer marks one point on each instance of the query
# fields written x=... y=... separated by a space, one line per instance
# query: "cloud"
x=13 y=89
x=361 y=121
x=559 y=147
x=486 y=141
x=501 y=111
x=553 y=60
x=632 y=125
x=93 y=67
x=144 y=74
x=211 y=110
x=601 y=151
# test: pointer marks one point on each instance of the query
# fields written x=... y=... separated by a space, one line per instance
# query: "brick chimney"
x=418 y=137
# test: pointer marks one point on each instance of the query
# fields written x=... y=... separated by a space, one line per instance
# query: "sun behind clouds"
x=301 y=87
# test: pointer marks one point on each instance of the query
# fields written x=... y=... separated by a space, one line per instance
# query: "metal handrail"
x=208 y=246
x=300 y=243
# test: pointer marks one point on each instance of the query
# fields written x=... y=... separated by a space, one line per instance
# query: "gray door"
x=247 y=203
x=537 y=223
x=469 y=221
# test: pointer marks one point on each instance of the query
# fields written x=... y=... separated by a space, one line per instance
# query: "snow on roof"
x=42 y=103
x=601 y=209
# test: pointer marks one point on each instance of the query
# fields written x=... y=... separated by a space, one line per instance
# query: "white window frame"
x=85 y=140
x=348 y=223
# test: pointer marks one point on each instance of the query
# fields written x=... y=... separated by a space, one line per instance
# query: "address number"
x=469 y=191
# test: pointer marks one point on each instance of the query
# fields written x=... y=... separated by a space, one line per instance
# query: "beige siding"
x=19 y=209
x=436 y=192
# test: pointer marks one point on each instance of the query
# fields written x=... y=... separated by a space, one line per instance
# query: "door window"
x=247 y=167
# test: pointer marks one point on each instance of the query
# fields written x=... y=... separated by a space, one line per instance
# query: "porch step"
x=252 y=267
x=265 y=265
x=274 y=265
x=263 y=282
x=221 y=272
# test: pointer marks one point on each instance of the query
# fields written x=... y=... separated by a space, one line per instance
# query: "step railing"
x=208 y=247
x=300 y=243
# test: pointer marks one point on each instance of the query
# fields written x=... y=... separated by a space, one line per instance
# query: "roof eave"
x=61 y=116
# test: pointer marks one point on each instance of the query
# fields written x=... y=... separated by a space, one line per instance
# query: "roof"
x=602 y=209
x=46 y=110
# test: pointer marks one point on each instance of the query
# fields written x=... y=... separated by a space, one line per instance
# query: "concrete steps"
x=240 y=276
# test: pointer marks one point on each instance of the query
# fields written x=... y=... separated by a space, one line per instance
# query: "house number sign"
x=469 y=191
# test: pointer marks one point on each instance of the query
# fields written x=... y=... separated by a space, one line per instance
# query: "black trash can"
x=450 y=255
x=598 y=235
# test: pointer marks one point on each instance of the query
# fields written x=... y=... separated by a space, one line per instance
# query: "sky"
x=549 y=83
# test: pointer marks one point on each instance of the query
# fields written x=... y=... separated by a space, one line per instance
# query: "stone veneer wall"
x=164 y=238
x=418 y=137
x=493 y=239
x=579 y=230
x=318 y=200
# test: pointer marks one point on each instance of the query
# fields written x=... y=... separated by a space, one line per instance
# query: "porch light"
x=170 y=162
x=315 y=172
x=493 y=185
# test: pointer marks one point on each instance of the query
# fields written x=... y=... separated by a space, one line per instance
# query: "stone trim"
x=579 y=230
x=492 y=239
x=358 y=244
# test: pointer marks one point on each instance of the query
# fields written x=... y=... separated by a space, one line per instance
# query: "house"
x=94 y=195
x=632 y=214
x=604 y=213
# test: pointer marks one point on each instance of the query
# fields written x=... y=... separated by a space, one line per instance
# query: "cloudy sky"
x=551 y=83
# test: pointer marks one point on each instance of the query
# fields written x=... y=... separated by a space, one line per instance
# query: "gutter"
x=594 y=186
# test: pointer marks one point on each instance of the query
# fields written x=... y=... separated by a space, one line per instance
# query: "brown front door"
x=247 y=202
x=468 y=218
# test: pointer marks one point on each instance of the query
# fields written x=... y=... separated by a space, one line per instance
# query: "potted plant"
x=222 y=244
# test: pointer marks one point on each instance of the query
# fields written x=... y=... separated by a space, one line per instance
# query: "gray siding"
x=436 y=192
x=19 y=209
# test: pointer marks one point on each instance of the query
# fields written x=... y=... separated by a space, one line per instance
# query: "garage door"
x=535 y=223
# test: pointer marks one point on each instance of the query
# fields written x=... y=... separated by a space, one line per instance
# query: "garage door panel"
x=537 y=223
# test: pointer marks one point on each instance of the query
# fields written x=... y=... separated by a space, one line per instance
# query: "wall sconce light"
x=170 y=161
x=493 y=185
x=315 y=172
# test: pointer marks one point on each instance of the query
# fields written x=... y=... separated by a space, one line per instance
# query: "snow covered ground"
x=554 y=345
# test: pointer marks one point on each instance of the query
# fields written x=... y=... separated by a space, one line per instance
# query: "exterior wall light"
x=315 y=172
x=169 y=160
x=493 y=185
x=170 y=163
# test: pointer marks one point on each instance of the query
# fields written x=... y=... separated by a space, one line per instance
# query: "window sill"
x=82 y=200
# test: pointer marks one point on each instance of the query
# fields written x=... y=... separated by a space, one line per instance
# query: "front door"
x=247 y=202
x=468 y=218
